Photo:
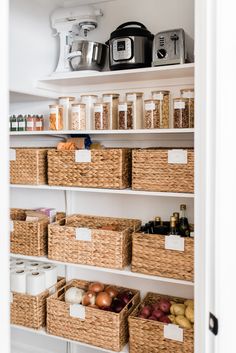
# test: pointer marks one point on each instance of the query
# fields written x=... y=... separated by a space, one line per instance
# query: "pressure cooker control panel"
x=122 y=49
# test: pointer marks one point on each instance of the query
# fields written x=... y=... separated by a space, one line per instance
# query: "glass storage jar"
x=14 y=123
x=39 y=123
x=89 y=100
x=56 y=117
x=78 y=116
x=101 y=116
x=188 y=93
x=125 y=115
x=163 y=98
x=137 y=99
x=181 y=113
x=21 y=123
x=151 y=116
x=66 y=102
x=30 y=123
x=112 y=99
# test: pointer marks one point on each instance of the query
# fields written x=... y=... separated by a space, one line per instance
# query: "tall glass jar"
x=14 y=123
x=181 y=113
x=21 y=123
x=66 y=102
x=112 y=99
x=125 y=115
x=137 y=100
x=78 y=116
x=101 y=116
x=151 y=114
x=30 y=123
x=188 y=93
x=163 y=98
x=89 y=100
x=56 y=117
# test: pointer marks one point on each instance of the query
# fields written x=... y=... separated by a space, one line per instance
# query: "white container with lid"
x=137 y=100
x=112 y=99
x=163 y=97
x=89 y=100
x=78 y=116
x=101 y=116
x=66 y=102
x=125 y=116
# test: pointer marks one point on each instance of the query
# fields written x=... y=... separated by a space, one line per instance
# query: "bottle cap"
x=157 y=219
x=183 y=207
x=176 y=215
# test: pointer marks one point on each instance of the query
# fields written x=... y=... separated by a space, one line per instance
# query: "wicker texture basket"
x=146 y=336
x=109 y=168
x=149 y=256
x=100 y=328
x=30 y=311
x=152 y=172
x=29 y=167
x=28 y=238
x=107 y=248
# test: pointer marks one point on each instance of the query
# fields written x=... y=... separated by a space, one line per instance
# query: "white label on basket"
x=11 y=297
x=179 y=105
x=98 y=109
x=82 y=156
x=83 y=234
x=150 y=106
x=173 y=332
x=52 y=290
x=131 y=97
x=192 y=234
x=78 y=311
x=188 y=94
x=11 y=226
x=122 y=107
x=177 y=157
x=158 y=96
x=174 y=242
x=12 y=154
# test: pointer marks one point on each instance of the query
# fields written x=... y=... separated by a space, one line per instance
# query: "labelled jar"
x=151 y=116
x=56 y=117
x=163 y=98
x=30 y=123
x=14 y=123
x=89 y=100
x=125 y=115
x=181 y=113
x=112 y=99
x=66 y=102
x=39 y=123
x=21 y=123
x=188 y=93
x=78 y=116
x=137 y=99
x=101 y=116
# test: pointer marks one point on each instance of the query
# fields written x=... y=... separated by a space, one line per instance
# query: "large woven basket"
x=100 y=328
x=109 y=168
x=147 y=336
x=149 y=256
x=28 y=238
x=30 y=311
x=152 y=172
x=107 y=248
x=29 y=166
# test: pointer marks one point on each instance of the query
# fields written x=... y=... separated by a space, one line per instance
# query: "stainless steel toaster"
x=172 y=47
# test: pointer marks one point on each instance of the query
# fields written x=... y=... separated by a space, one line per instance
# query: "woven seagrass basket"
x=100 y=328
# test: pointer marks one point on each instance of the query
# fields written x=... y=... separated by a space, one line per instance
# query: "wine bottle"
x=183 y=222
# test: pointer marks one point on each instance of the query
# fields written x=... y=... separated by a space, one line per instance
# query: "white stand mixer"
x=68 y=21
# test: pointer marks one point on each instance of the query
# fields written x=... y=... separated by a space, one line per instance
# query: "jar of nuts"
x=125 y=115
x=78 y=116
x=89 y=100
x=101 y=116
x=137 y=100
x=181 y=113
x=151 y=114
x=112 y=99
x=56 y=117
x=188 y=93
x=163 y=98
x=66 y=102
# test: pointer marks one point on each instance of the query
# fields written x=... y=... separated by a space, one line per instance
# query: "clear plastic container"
x=137 y=99
x=163 y=98
x=151 y=114
x=125 y=115
x=101 y=116
x=181 y=113
x=112 y=99
x=66 y=102
x=56 y=117
x=89 y=100
x=188 y=93
x=78 y=116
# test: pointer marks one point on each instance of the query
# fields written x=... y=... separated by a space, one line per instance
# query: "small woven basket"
x=100 y=328
x=30 y=311
x=109 y=168
x=149 y=256
x=147 y=336
x=151 y=171
x=106 y=248
x=29 y=166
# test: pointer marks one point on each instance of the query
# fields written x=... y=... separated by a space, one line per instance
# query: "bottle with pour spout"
x=184 y=230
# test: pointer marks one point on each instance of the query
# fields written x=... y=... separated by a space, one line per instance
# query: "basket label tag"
x=77 y=311
x=192 y=234
x=83 y=234
x=82 y=156
x=173 y=332
x=12 y=154
x=174 y=242
x=52 y=290
x=11 y=298
x=11 y=226
x=177 y=157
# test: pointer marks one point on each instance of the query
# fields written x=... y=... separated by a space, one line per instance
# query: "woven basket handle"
x=130 y=305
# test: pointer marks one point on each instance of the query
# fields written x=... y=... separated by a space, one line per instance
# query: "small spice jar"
x=30 y=123
x=137 y=99
x=181 y=113
x=21 y=123
x=39 y=123
x=78 y=116
x=163 y=98
x=14 y=123
x=188 y=93
x=89 y=100
x=151 y=116
x=56 y=117
x=125 y=115
x=66 y=102
x=112 y=99
x=101 y=116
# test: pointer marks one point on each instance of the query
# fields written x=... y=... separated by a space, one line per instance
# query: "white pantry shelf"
x=42 y=332
x=125 y=272
x=104 y=191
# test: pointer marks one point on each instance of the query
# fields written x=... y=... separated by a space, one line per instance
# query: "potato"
x=189 y=302
x=183 y=322
x=177 y=309
x=172 y=319
x=189 y=313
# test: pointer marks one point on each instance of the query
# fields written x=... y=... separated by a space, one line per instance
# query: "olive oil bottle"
x=184 y=230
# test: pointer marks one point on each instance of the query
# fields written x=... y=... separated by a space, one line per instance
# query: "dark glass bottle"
x=173 y=230
x=159 y=227
x=176 y=215
x=183 y=222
